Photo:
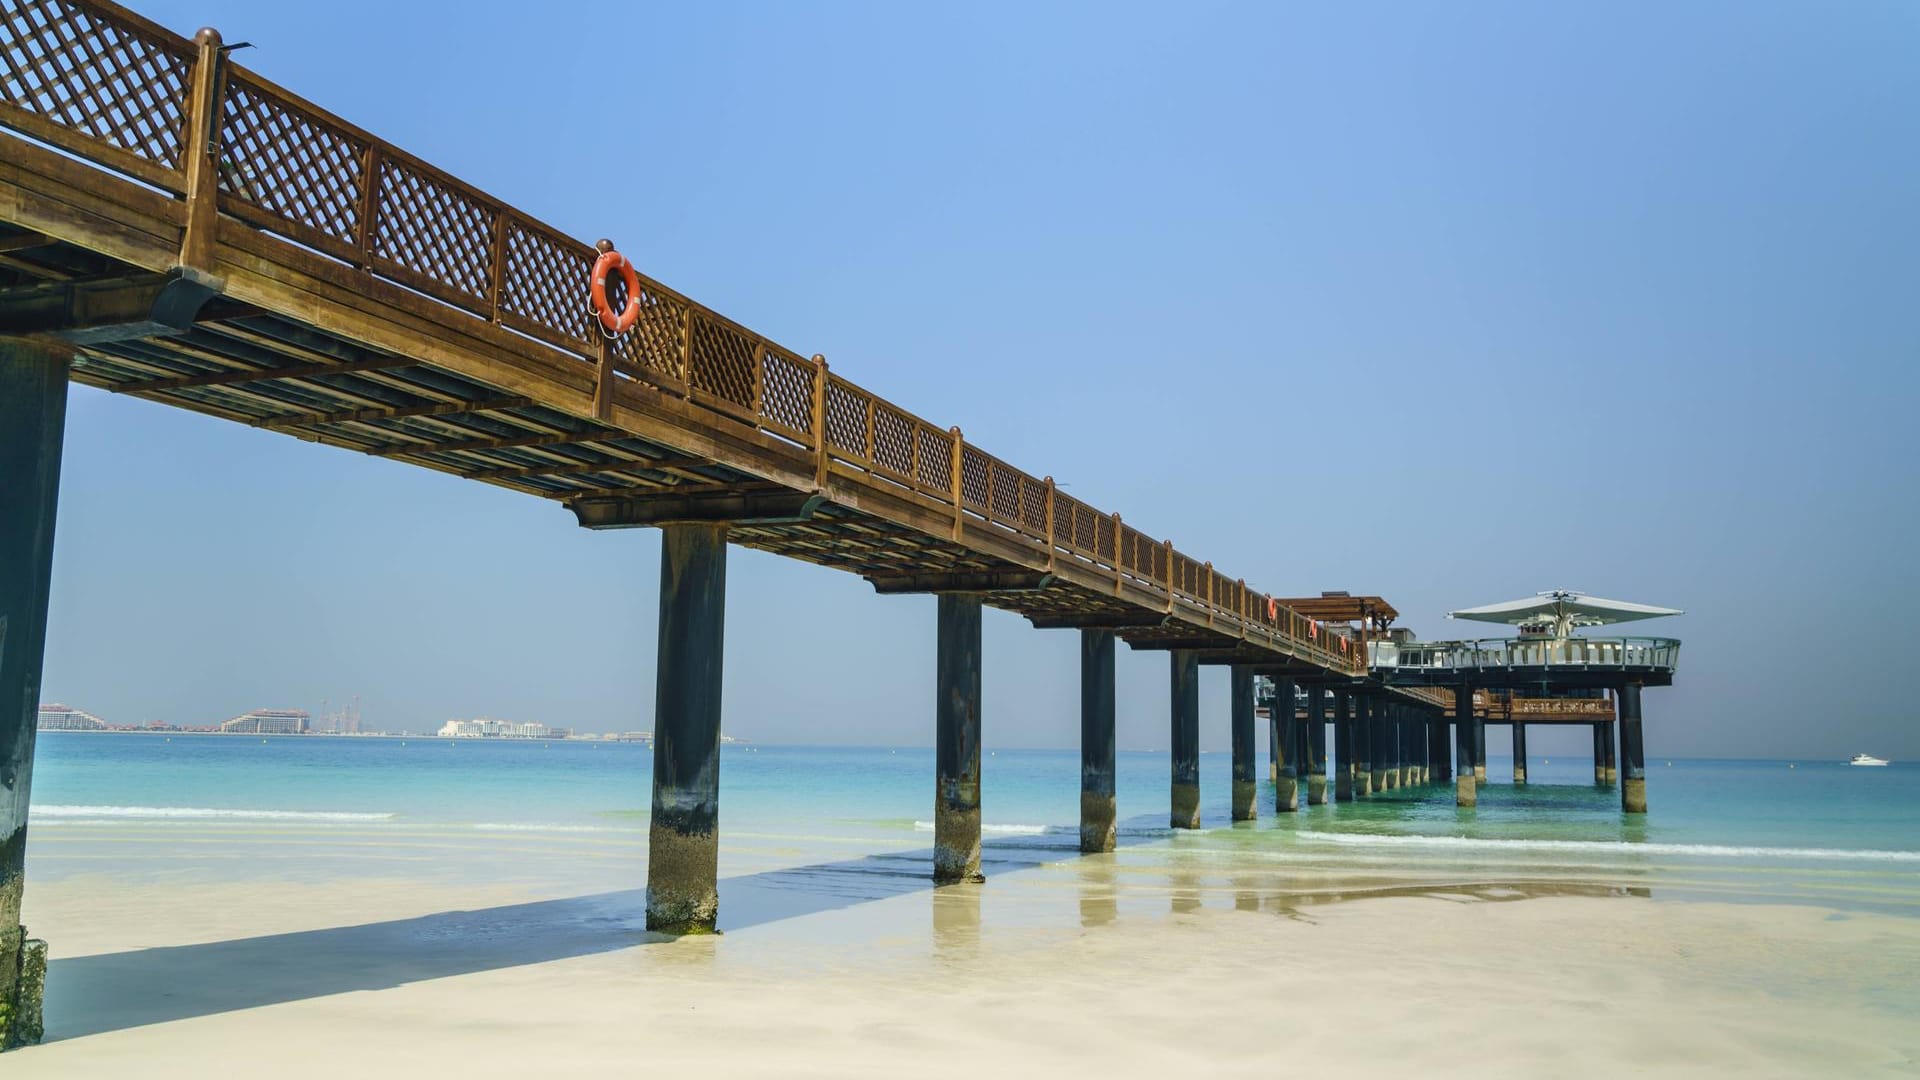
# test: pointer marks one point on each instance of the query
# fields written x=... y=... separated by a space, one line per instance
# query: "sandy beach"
x=1068 y=966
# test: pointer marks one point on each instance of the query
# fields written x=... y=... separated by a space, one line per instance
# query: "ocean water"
x=574 y=814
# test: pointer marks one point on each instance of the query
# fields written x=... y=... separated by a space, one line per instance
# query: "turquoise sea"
x=566 y=814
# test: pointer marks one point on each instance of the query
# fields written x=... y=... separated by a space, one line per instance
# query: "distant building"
x=57 y=717
x=483 y=728
x=268 y=722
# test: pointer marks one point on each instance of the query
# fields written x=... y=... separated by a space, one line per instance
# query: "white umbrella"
x=1565 y=608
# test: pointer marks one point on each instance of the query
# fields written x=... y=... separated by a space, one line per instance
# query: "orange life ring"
x=1273 y=610
x=614 y=262
x=1313 y=629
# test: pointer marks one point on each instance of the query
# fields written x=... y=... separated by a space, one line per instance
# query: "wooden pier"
x=176 y=227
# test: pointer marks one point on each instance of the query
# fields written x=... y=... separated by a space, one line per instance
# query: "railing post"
x=821 y=461
x=201 y=164
x=1050 y=535
x=1168 y=545
x=1209 y=572
x=603 y=378
x=369 y=206
x=1119 y=575
x=959 y=456
x=497 y=279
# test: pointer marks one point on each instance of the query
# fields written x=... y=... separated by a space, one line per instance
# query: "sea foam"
x=168 y=813
x=1612 y=847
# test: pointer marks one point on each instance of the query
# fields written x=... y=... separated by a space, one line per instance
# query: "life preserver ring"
x=1313 y=629
x=612 y=262
x=1273 y=610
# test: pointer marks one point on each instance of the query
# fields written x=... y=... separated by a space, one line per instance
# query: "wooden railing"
x=120 y=92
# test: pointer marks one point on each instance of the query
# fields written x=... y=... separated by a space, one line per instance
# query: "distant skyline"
x=1446 y=304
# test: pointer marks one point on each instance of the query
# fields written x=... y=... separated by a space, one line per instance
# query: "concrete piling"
x=33 y=408
x=1608 y=746
x=1186 y=739
x=1363 y=746
x=1466 y=790
x=956 y=799
x=1342 y=746
x=683 y=844
x=1519 y=752
x=1633 y=766
x=1286 y=787
x=1480 y=751
x=1442 y=749
x=1098 y=807
x=1246 y=790
x=1600 y=754
x=1380 y=743
x=1316 y=746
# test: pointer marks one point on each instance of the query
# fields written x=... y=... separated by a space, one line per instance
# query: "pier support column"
x=1316 y=746
x=1519 y=752
x=1246 y=790
x=1380 y=742
x=683 y=844
x=1362 y=746
x=956 y=741
x=1273 y=746
x=1600 y=754
x=1480 y=751
x=1608 y=745
x=1397 y=720
x=1466 y=791
x=1098 y=808
x=1633 y=765
x=1286 y=787
x=1441 y=751
x=1342 y=746
x=33 y=412
x=1186 y=739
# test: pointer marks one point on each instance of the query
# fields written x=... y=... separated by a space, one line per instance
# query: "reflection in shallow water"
x=956 y=920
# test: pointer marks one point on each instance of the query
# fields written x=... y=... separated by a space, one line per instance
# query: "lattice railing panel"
x=847 y=418
x=722 y=361
x=1084 y=532
x=84 y=70
x=1063 y=510
x=934 y=458
x=1033 y=505
x=1003 y=492
x=1105 y=539
x=290 y=163
x=437 y=231
x=893 y=438
x=658 y=340
x=973 y=477
x=786 y=391
x=543 y=284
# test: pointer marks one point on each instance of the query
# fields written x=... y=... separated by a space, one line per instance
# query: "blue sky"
x=1448 y=303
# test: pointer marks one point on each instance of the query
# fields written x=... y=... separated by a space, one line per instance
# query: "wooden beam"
x=759 y=505
x=567 y=469
x=1100 y=620
x=963 y=581
x=23 y=241
x=113 y=309
x=356 y=416
x=524 y=442
x=295 y=371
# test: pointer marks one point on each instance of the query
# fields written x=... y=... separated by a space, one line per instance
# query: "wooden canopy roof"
x=1339 y=607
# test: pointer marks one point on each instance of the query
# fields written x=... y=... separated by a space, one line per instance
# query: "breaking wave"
x=1611 y=847
x=169 y=813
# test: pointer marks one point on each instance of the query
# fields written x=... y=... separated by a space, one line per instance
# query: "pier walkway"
x=176 y=227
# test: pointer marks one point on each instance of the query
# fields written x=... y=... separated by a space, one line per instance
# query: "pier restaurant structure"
x=177 y=227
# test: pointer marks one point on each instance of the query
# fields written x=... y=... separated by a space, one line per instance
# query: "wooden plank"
x=524 y=442
x=354 y=416
x=297 y=371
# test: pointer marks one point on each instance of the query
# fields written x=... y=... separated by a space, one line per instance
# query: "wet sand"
x=1122 y=964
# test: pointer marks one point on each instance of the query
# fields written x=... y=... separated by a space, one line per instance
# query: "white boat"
x=1867 y=759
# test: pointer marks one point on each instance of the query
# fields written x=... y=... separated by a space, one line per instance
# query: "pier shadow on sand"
x=90 y=995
